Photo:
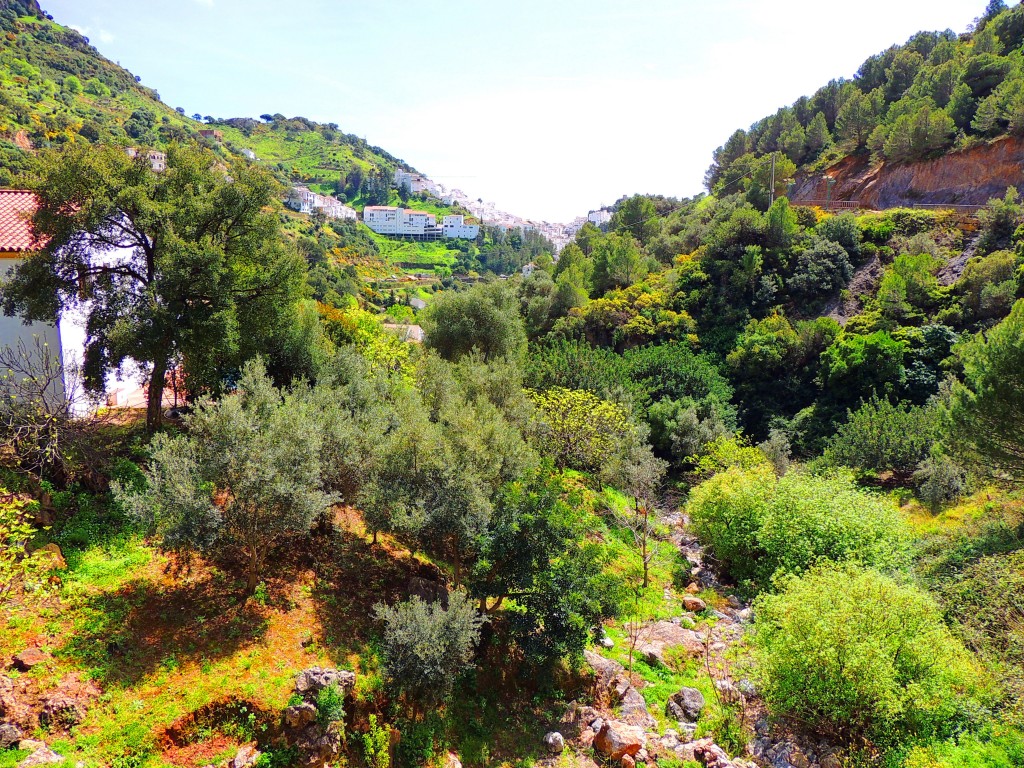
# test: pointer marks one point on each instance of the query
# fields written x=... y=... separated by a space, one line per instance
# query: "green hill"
x=55 y=87
x=939 y=93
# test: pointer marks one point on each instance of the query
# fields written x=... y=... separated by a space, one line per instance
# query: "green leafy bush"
x=854 y=654
x=376 y=742
x=330 y=705
x=760 y=526
x=883 y=437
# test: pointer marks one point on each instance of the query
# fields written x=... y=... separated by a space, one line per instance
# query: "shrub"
x=20 y=573
x=426 y=645
x=376 y=745
x=761 y=526
x=884 y=437
x=987 y=603
x=330 y=705
x=854 y=654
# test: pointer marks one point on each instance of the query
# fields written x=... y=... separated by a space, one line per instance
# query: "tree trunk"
x=155 y=400
x=252 y=574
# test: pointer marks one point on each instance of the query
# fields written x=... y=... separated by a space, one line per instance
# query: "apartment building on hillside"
x=417 y=225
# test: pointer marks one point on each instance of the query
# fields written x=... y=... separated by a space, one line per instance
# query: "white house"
x=157 y=160
x=305 y=200
x=456 y=226
x=529 y=269
x=65 y=337
x=600 y=217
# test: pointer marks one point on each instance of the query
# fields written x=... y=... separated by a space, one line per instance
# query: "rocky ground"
x=616 y=725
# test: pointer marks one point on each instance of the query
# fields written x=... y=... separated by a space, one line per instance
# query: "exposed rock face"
x=311 y=681
x=616 y=739
x=971 y=177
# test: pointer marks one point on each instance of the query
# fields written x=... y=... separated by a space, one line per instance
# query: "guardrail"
x=834 y=205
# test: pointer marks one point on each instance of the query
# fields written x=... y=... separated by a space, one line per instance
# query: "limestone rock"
x=685 y=705
x=245 y=757
x=555 y=742
x=30 y=657
x=310 y=682
x=730 y=693
x=633 y=709
x=616 y=739
x=695 y=604
x=452 y=761
x=41 y=754
x=300 y=715
x=10 y=734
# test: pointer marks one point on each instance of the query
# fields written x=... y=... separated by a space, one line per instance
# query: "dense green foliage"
x=247 y=475
x=760 y=526
x=937 y=92
x=987 y=410
x=851 y=653
x=426 y=645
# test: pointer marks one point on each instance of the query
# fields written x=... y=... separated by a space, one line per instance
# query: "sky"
x=548 y=108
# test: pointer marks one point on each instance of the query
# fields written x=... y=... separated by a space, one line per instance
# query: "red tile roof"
x=16 y=206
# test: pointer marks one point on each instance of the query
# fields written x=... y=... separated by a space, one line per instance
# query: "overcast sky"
x=547 y=108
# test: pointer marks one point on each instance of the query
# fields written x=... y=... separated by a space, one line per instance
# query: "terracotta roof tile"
x=15 y=230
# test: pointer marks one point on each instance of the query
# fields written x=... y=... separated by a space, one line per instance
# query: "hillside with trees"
x=733 y=481
x=939 y=94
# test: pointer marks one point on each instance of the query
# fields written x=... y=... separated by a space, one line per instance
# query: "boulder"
x=53 y=558
x=62 y=711
x=693 y=603
x=451 y=760
x=30 y=657
x=10 y=734
x=633 y=709
x=245 y=757
x=617 y=739
x=660 y=636
x=318 y=748
x=300 y=715
x=41 y=754
x=310 y=682
x=627 y=762
x=685 y=705
x=728 y=692
x=577 y=718
x=607 y=642
x=555 y=742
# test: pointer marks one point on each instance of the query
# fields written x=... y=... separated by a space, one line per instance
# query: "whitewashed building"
x=157 y=159
x=600 y=217
x=456 y=226
x=305 y=200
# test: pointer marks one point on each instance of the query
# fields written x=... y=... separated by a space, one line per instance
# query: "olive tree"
x=424 y=646
x=245 y=474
